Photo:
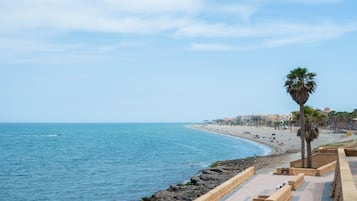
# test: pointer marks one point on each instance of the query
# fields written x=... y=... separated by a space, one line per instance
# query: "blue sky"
x=171 y=61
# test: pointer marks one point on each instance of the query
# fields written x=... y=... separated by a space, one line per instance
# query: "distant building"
x=277 y=120
x=229 y=121
x=327 y=110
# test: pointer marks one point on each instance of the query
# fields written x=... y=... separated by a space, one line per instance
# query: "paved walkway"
x=352 y=161
x=314 y=188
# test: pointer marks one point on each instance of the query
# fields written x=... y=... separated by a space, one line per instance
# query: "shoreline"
x=281 y=141
x=274 y=150
x=280 y=154
x=284 y=143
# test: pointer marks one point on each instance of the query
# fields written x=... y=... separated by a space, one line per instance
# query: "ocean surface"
x=106 y=161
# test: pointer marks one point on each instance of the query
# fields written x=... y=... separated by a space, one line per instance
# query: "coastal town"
x=332 y=120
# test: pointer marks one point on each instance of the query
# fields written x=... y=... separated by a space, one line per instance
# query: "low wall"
x=307 y=171
x=344 y=187
x=326 y=169
x=223 y=189
x=318 y=160
x=297 y=181
x=351 y=152
x=283 y=194
x=327 y=150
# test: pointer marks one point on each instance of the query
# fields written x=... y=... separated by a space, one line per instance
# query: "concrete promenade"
x=314 y=188
x=352 y=161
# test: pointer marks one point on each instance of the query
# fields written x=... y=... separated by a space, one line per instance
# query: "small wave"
x=53 y=135
x=200 y=164
x=265 y=148
x=42 y=135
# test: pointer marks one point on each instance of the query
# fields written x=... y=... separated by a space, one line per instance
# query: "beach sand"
x=284 y=143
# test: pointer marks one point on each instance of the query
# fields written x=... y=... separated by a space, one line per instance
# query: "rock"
x=208 y=177
x=195 y=180
x=174 y=188
x=217 y=169
x=163 y=193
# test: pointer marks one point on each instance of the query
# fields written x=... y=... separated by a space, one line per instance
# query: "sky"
x=171 y=61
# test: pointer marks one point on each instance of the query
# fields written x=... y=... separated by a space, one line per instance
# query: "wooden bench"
x=297 y=181
x=282 y=171
x=261 y=198
x=282 y=194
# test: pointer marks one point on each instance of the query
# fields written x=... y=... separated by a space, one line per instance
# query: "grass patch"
x=340 y=144
x=215 y=164
x=346 y=144
x=188 y=183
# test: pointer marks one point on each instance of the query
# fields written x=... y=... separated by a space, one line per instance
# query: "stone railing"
x=225 y=188
x=344 y=187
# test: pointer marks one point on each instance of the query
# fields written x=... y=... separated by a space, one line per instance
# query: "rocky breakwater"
x=206 y=180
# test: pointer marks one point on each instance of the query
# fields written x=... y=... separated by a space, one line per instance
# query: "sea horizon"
x=98 y=122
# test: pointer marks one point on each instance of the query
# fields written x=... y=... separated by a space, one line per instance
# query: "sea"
x=107 y=161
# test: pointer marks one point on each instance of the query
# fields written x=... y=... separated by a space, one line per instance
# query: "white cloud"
x=28 y=45
x=140 y=16
x=273 y=30
x=282 y=34
x=27 y=50
x=135 y=17
x=211 y=47
x=214 y=30
x=118 y=16
x=24 y=23
x=65 y=58
x=156 y=6
x=244 y=10
x=51 y=59
x=302 y=33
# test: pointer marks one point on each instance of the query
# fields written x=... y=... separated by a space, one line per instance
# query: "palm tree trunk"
x=309 y=159
x=302 y=135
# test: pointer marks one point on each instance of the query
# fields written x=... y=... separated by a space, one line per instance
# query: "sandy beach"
x=283 y=142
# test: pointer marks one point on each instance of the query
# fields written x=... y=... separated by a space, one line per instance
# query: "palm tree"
x=311 y=133
x=300 y=84
x=313 y=119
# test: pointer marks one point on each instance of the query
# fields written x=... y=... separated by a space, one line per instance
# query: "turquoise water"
x=106 y=161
